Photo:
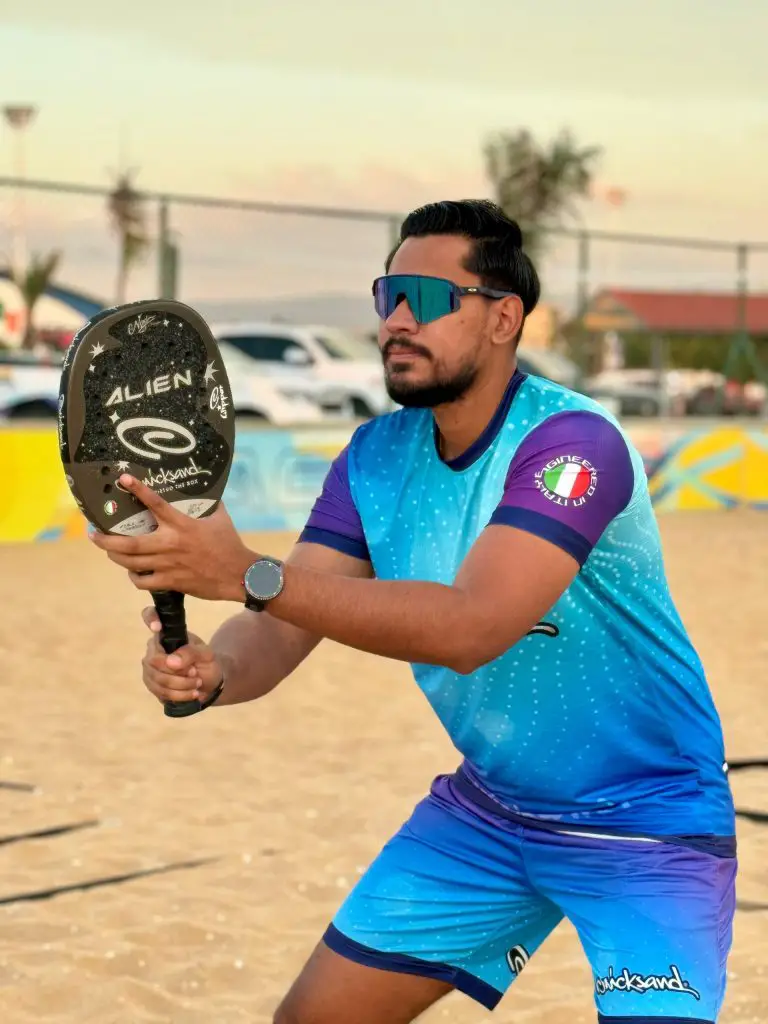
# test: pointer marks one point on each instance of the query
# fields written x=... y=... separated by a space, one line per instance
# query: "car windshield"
x=236 y=359
x=339 y=345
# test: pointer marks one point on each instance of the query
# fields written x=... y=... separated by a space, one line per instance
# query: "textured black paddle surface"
x=144 y=391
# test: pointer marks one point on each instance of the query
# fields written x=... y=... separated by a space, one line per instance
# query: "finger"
x=139 y=563
x=159 y=507
x=172 y=688
x=151 y=619
x=181 y=661
x=156 y=581
x=148 y=543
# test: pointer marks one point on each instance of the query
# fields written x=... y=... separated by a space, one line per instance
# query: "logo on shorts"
x=517 y=958
x=567 y=481
x=642 y=983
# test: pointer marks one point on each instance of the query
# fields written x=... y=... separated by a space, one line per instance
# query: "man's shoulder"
x=552 y=406
x=551 y=399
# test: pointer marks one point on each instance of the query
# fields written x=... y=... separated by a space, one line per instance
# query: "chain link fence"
x=248 y=260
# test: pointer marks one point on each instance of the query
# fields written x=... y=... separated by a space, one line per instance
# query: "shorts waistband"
x=718 y=846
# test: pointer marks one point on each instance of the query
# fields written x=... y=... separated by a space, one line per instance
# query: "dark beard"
x=428 y=396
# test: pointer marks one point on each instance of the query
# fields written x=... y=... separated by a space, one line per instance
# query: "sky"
x=384 y=107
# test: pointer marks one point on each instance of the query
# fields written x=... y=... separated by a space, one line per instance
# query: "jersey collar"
x=489 y=435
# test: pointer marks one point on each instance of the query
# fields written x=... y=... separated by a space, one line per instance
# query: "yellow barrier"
x=36 y=502
x=712 y=467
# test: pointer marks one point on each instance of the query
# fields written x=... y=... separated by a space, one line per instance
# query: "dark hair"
x=497 y=255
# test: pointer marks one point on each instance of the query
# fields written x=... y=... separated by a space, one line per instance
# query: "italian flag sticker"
x=568 y=480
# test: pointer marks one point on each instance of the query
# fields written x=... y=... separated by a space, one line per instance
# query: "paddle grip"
x=173 y=635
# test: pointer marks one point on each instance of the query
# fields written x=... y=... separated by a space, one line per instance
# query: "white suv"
x=30 y=390
x=343 y=375
x=258 y=398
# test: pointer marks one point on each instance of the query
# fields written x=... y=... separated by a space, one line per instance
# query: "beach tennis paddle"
x=144 y=391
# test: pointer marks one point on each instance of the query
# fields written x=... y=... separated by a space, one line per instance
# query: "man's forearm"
x=256 y=652
x=419 y=622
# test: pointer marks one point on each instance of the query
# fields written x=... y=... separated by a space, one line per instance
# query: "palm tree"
x=536 y=185
x=33 y=282
x=126 y=211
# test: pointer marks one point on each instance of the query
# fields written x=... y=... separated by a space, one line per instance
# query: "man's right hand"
x=191 y=673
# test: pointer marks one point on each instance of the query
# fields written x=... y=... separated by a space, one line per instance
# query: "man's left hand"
x=202 y=557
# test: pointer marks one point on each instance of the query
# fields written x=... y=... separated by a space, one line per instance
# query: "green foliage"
x=538 y=185
x=700 y=352
x=694 y=352
x=32 y=282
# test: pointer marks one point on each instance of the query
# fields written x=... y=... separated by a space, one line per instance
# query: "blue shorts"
x=465 y=896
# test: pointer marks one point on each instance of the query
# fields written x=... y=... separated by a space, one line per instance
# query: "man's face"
x=432 y=364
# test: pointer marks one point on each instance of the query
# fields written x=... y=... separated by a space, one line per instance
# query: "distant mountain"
x=351 y=312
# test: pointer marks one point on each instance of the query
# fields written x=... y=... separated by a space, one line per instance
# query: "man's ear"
x=509 y=320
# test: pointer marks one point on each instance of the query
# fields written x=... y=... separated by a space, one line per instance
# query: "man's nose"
x=401 y=320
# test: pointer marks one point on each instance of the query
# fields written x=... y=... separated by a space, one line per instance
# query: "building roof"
x=674 y=312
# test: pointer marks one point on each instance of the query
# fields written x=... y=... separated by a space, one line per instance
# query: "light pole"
x=18 y=117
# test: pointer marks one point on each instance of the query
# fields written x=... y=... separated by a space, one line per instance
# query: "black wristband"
x=214 y=696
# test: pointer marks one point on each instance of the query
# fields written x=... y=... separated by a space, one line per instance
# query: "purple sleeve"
x=569 y=478
x=334 y=520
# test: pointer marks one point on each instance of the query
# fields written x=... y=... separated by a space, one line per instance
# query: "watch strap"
x=214 y=696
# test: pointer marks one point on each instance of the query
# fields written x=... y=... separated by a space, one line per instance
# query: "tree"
x=126 y=211
x=33 y=282
x=539 y=186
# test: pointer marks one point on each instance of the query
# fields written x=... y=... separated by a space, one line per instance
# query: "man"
x=496 y=532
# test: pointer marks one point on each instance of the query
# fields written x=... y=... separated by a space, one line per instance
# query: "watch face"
x=264 y=580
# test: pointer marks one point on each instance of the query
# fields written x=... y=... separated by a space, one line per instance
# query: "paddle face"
x=144 y=391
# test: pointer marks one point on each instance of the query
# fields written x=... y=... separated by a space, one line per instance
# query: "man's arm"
x=507 y=582
x=332 y=542
x=568 y=480
x=257 y=651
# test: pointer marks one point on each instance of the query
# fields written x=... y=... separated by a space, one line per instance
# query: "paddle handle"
x=173 y=635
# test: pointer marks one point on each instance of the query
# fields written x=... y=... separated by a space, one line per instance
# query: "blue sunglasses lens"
x=428 y=298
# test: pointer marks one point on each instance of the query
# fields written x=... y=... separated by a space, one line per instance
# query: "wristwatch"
x=263 y=581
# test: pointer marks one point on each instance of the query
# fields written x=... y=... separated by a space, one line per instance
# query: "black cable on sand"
x=759 y=817
x=97 y=883
x=741 y=764
x=45 y=833
x=750 y=907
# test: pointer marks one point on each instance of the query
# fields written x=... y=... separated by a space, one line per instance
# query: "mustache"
x=392 y=343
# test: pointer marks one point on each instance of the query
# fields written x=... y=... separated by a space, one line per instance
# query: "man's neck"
x=460 y=423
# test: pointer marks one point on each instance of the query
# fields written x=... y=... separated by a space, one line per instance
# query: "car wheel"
x=35 y=410
x=649 y=409
x=361 y=410
x=250 y=414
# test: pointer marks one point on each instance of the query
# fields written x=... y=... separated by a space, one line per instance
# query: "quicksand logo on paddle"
x=164 y=479
x=642 y=983
x=567 y=480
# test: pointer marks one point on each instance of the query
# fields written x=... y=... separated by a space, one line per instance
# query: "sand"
x=289 y=798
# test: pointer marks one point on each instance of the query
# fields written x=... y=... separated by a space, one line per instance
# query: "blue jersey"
x=600 y=718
